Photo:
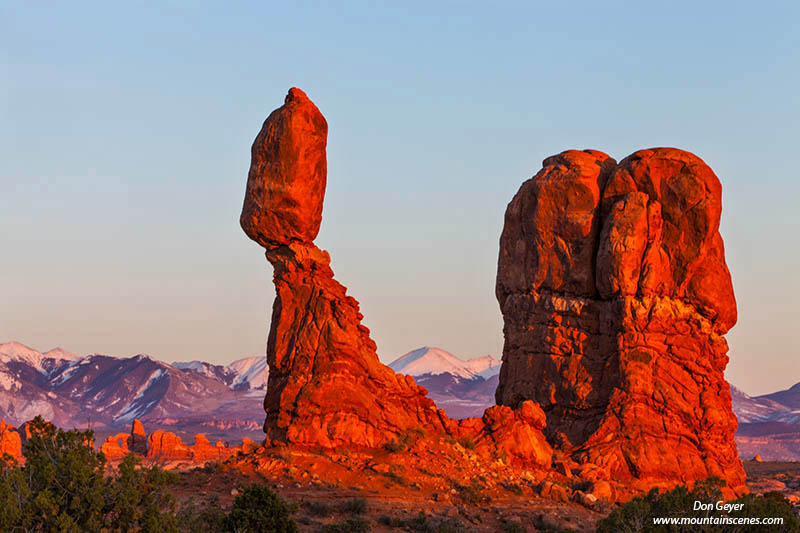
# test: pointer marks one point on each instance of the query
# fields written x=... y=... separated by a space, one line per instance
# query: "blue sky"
x=125 y=135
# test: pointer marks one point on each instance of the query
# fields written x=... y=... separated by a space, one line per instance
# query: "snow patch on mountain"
x=7 y=382
x=252 y=371
x=749 y=409
x=17 y=352
x=429 y=360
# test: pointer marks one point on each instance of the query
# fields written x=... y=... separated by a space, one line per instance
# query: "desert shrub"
x=257 y=509
x=391 y=521
x=422 y=523
x=208 y=518
x=352 y=525
x=63 y=487
x=318 y=508
x=770 y=504
x=512 y=487
x=393 y=446
x=404 y=441
x=474 y=493
x=637 y=514
x=466 y=442
x=510 y=526
x=355 y=506
x=395 y=477
x=135 y=496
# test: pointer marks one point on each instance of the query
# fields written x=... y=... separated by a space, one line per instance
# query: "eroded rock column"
x=615 y=296
x=326 y=385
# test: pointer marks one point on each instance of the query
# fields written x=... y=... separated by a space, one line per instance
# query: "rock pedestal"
x=326 y=385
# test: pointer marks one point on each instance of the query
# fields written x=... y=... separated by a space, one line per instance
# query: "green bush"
x=207 y=518
x=259 y=510
x=63 y=487
x=637 y=515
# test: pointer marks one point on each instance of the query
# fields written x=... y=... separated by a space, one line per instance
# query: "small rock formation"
x=165 y=445
x=615 y=295
x=138 y=438
x=116 y=447
x=515 y=433
x=10 y=441
x=326 y=385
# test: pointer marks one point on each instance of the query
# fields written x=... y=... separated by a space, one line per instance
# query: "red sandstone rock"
x=630 y=370
x=10 y=442
x=116 y=447
x=138 y=438
x=684 y=249
x=202 y=450
x=167 y=446
x=286 y=184
x=517 y=433
x=326 y=385
x=551 y=226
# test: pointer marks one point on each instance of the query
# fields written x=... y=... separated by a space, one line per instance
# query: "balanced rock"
x=10 y=442
x=326 y=384
x=615 y=295
x=288 y=169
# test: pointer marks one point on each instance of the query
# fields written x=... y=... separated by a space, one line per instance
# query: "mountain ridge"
x=107 y=392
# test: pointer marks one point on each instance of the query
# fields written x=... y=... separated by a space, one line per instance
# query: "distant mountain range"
x=107 y=392
x=225 y=402
x=436 y=361
x=769 y=425
x=462 y=388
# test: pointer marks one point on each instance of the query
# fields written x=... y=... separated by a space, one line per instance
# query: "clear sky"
x=125 y=132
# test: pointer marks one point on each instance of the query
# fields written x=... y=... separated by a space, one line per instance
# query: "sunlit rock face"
x=615 y=295
x=326 y=385
x=10 y=442
x=288 y=169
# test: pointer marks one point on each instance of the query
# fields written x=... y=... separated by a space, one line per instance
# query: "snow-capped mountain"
x=247 y=373
x=251 y=372
x=749 y=409
x=108 y=392
x=463 y=388
x=15 y=352
x=218 y=372
x=427 y=360
x=769 y=425
x=225 y=402
x=121 y=389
